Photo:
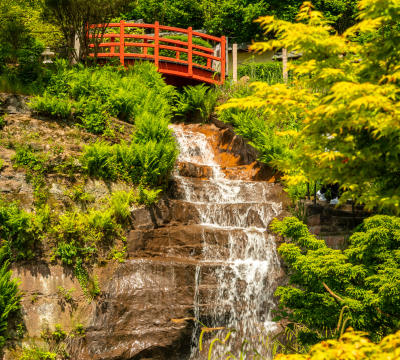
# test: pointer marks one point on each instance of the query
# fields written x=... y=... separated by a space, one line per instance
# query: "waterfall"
x=245 y=265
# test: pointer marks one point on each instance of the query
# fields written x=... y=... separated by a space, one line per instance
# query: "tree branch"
x=383 y=313
x=337 y=298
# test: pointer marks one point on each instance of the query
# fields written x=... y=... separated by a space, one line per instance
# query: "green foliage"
x=197 y=60
x=195 y=100
x=118 y=255
x=77 y=193
x=147 y=196
x=1 y=163
x=270 y=72
x=9 y=295
x=50 y=105
x=36 y=165
x=37 y=353
x=348 y=102
x=351 y=345
x=34 y=298
x=2 y=123
x=17 y=230
x=147 y=160
x=120 y=202
x=64 y=293
x=300 y=211
x=364 y=277
x=260 y=129
x=92 y=95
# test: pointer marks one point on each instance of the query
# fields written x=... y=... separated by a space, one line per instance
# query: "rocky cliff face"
x=203 y=251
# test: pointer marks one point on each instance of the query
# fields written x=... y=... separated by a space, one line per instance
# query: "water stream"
x=247 y=262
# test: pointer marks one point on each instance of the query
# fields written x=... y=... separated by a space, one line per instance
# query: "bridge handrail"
x=154 y=41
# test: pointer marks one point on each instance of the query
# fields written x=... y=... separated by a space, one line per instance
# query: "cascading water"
x=244 y=268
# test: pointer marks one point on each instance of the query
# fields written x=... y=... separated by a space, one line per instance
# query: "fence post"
x=112 y=50
x=122 y=42
x=234 y=62
x=223 y=59
x=315 y=193
x=284 y=65
x=308 y=191
x=190 y=52
x=156 y=43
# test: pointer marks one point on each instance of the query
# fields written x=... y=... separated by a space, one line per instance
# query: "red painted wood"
x=122 y=41
x=145 y=47
x=156 y=43
x=190 y=52
x=223 y=60
x=171 y=67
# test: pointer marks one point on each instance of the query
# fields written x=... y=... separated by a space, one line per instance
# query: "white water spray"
x=240 y=208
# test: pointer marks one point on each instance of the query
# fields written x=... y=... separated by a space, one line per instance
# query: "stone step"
x=256 y=171
x=320 y=207
x=199 y=242
x=241 y=215
x=196 y=190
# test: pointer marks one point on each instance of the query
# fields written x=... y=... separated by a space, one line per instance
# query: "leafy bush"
x=50 y=105
x=351 y=345
x=364 y=277
x=199 y=60
x=93 y=95
x=148 y=160
x=17 y=230
x=120 y=202
x=261 y=131
x=197 y=99
x=9 y=295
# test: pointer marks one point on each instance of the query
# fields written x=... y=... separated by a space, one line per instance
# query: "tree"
x=233 y=18
x=348 y=95
x=75 y=16
x=365 y=277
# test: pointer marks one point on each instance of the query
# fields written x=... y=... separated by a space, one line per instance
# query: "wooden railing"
x=212 y=72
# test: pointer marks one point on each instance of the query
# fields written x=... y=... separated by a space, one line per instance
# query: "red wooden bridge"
x=177 y=71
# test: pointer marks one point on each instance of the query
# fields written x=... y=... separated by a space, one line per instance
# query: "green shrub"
x=9 y=295
x=2 y=123
x=148 y=196
x=51 y=105
x=364 y=278
x=148 y=160
x=197 y=99
x=17 y=230
x=120 y=202
x=351 y=345
x=92 y=95
x=199 y=60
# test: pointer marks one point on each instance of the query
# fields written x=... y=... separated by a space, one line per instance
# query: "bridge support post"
x=223 y=59
x=190 y=49
x=156 y=43
x=122 y=42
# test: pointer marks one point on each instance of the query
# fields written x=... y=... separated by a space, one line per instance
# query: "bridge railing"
x=139 y=44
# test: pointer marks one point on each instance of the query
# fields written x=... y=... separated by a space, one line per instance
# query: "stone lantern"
x=47 y=56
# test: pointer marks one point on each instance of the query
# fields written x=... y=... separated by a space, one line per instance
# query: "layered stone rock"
x=182 y=254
